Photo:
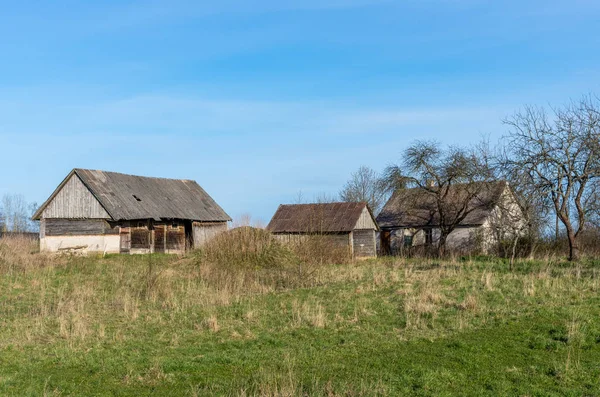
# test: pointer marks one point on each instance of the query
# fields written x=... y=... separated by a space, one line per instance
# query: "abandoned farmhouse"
x=485 y=213
x=350 y=225
x=109 y=212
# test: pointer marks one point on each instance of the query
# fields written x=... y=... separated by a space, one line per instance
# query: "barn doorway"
x=386 y=242
x=159 y=238
x=189 y=236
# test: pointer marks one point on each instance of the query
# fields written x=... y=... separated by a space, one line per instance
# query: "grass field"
x=159 y=325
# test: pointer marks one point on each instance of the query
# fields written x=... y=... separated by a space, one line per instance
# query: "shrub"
x=246 y=248
x=255 y=255
x=320 y=250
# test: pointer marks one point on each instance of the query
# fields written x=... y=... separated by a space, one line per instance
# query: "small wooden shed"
x=99 y=211
x=346 y=224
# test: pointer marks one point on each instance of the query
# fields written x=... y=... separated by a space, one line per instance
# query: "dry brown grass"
x=19 y=254
x=96 y=293
x=320 y=249
x=82 y=302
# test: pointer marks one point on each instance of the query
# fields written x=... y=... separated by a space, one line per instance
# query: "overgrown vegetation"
x=165 y=325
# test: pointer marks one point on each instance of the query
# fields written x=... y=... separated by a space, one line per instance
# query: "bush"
x=247 y=248
x=320 y=250
x=255 y=255
x=524 y=248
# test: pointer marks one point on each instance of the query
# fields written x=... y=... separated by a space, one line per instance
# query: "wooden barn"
x=346 y=224
x=109 y=212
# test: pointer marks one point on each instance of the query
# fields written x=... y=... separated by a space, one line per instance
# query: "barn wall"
x=90 y=235
x=77 y=227
x=341 y=240
x=97 y=235
x=204 y=232
x=140 y=237
x=74 y=201
x=145 y=237
x=365 y=221
x=133 y=237
x=364 y=244
x=85 y=244
x=125 y=238
x=175 y=238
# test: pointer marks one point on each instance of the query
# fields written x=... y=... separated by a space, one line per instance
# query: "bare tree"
x=560 y=160
x=513 y=220
x=324 y=197
x=319 y=198
x=450 y=180
x=3 y=227
x=393 y=179
x=15 y=214
x=533 y=215
x=365 y=185
x=300 y=198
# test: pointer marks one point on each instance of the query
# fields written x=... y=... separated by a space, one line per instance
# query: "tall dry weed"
x=20 y=253
x=251 y=257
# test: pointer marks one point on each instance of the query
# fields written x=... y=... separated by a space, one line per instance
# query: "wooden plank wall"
x=125 y=244
x=339 y=240
x=365 y=221
x=135 y=236
x=204 y=232
x=159 y=238
x=156 y=237
x=74 y=201
x=175 y=237
x=77 y=227
x=364 y=243
x=140 y=235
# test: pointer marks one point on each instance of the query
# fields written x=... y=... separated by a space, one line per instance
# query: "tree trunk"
x=513 y=252
x=573 y=247
x=442 y=244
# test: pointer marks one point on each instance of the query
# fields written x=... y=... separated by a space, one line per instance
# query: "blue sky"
x=257 y=100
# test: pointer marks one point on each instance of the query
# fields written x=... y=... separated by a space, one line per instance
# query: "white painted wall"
x=460 y=239
x=109 y=244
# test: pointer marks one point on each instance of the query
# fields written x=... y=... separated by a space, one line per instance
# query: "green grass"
x=118 y=326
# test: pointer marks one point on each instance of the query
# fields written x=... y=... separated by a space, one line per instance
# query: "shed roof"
x=418 y=208
x=128 y=197
x=317 y=218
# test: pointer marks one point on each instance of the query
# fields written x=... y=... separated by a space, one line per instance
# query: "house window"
x=428 y=236
x=408 y=241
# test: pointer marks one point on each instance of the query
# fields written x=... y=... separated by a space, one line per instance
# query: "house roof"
x=418 y=208
x=128 y=197
x=317 y=218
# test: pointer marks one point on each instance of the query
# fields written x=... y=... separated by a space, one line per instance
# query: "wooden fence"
x=30 y=235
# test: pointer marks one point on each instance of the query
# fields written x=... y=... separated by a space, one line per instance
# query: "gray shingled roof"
x=417 y=208
x=128 y=197
x=316 y=218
